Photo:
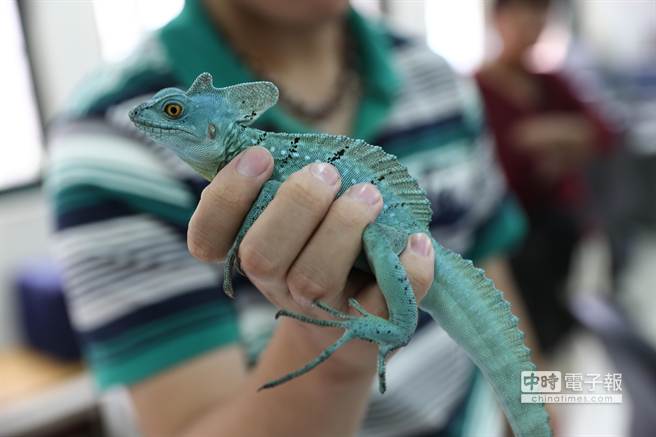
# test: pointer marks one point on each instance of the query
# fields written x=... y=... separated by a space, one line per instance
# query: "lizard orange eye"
x=173 y=110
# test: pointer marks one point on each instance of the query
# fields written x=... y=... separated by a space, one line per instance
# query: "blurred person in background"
x=152 y=317
x=544 y=136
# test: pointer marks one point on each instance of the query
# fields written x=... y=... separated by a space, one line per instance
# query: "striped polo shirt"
x=141 y=304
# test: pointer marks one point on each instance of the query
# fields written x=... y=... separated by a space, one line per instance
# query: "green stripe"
x=63 y=176
x=165 y=211
x=84 y=196
x=73 y=187
x=501 y=234
x=160 y=357
x=117 y=348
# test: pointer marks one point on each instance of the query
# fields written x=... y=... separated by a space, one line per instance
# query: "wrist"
x=327 y=401
x=354 y=363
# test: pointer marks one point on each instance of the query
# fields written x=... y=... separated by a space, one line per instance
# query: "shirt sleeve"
x=139 y=302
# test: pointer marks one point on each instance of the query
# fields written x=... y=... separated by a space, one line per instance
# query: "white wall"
x=65 y=47
x=408 y=16
x=619 y=31
x=64 y=44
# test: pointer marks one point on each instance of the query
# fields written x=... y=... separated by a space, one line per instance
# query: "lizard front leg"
x=267 y=193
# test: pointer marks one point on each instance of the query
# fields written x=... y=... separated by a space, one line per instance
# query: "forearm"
x=567 y=137
x=321 y=403
x=578 y=131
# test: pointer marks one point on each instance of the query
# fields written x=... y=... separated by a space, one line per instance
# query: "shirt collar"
x=193 y=45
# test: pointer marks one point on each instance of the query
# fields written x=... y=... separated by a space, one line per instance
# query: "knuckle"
x=421 y=281
x=301 y=284
x=304 y=193
x=221 y=196
x=254 y=264
x=271 y=296
x=346 y=216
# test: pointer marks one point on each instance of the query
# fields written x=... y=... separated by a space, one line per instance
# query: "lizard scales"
x=207 y=127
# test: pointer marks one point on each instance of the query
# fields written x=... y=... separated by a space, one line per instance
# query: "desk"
x=40 y=396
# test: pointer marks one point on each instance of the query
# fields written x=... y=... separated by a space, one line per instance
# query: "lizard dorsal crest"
x=246 y=101
x=202 y=84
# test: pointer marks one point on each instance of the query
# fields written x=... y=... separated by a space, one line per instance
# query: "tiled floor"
x=638 y=285
x=584 y=353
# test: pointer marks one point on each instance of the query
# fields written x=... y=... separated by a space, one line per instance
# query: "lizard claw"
x=229 y=266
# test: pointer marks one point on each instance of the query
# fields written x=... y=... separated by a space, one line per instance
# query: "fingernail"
x=325 y=173
x=365 y=193
x=421 y=244
x=253 y=162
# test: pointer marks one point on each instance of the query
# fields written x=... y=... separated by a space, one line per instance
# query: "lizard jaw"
x=161 y=129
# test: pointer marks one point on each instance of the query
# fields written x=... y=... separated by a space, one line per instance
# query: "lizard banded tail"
x=475 y=314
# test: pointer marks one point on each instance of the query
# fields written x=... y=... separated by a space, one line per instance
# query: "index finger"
x=225 y=202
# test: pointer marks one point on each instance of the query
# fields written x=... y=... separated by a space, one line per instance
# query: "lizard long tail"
x=475 y=314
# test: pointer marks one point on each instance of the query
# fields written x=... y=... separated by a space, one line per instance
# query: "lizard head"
x=196 y=124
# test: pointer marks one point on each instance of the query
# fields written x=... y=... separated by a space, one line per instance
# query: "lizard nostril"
x=134 y=113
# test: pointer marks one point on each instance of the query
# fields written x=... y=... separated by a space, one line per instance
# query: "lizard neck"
x=237 y=139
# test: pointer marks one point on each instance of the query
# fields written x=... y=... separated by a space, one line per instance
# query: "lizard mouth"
x=160 y=129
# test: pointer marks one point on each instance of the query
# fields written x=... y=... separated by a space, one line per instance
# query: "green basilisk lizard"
x=207 y=127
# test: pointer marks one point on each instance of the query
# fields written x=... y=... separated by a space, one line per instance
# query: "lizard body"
x=207 y=127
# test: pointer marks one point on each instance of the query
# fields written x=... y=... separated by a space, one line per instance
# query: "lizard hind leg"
x=323 y=356
x=382 y=356
x=368 y=327
x=388 y=335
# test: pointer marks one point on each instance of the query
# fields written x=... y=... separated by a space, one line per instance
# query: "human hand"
x=302 y=247
x=559 y=142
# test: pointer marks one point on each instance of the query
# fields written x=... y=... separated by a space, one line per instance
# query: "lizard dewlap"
x=207 y=127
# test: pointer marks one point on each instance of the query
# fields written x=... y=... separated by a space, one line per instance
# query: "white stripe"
x=431 y=89
x=83 y=288
x=106 y=148
x=422 y=108
x=116 y=231
x=99 y=294
x=424 y=387
x=94 y=158
x=118 y=302
x=108 y=288
x=79 y=268
x=114 y=249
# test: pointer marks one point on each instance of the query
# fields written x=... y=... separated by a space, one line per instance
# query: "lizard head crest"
x=195 y=123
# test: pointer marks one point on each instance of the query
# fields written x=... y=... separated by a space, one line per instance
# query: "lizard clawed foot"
x=231 y=262
x=368 y=327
